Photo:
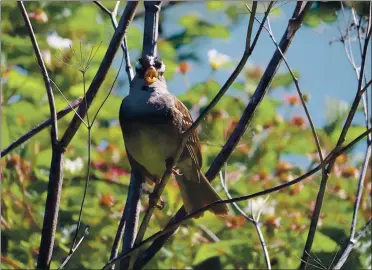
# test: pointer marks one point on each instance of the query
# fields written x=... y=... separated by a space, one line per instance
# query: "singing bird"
x=152 y=121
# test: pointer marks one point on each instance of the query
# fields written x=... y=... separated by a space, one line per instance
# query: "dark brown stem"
x=351 y=244
x=244 y=121
x=124 y=44
x=115 y=42
x=323 y=183
x=150 y=33
x=56 y=166
x=150 y=39
x=173 y=226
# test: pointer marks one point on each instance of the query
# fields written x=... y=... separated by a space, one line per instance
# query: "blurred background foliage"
x=258 y=162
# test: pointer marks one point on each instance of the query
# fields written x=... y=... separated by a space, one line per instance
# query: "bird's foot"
x=161 y=204
x=169 y=164
x=176 y=172
x=152 y=201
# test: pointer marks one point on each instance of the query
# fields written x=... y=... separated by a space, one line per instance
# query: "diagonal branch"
x=341 y=139
x=48 y=86
x=254 y=221
x=131 y=237
x=56 y=166
x=245 y=119
x=158 y=190
x=65 y=261
x=115 y=42
x=124 y=44
x=35 y=130
x=351 y=244
x=56 y=170
x=173 y=226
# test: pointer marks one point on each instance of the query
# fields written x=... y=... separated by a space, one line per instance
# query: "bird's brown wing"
x=193 y=143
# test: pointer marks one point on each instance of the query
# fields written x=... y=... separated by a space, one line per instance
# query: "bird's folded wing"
x=193 y=143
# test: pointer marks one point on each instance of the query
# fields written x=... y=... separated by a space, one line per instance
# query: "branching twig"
x=124 y=44
x=254 y=221
x=295 y=80
x=65 y=261
x=35 y=130
x=323 y=183
x=56 y=170
x=164 y=180
x=56 y=166
x=351 y=244
x=89 y=127
x=115 y=42
x=244 y=121
x=171 y=227
x=150 y=39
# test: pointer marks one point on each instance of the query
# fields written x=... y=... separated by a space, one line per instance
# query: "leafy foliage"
x=260 y=160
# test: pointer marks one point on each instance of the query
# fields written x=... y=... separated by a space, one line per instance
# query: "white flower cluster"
x=217 y=60
x=74 y=166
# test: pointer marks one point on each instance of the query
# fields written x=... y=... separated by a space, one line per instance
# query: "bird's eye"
x=161 y=69
x=138 y=66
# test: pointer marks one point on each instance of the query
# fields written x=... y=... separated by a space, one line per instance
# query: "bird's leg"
x=169 y=163
x=176 y=172
x=152 y=198
x=152 y=201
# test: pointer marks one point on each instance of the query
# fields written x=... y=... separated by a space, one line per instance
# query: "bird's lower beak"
x=151 y=75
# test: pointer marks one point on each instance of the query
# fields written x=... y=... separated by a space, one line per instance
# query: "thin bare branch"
x=65 y=261
x=244 y=121
x=351 y=244
x=171 y=227
x=124 y=44
x=124 y=22
x=44 y=71
x=341 y=139
x=358 y=196
x=56 y=166
x=164 y=180
x=150 y=39
x=295 y=80
x=35 y=130
x=254 y=221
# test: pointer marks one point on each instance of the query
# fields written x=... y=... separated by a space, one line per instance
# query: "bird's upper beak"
x=151 y=75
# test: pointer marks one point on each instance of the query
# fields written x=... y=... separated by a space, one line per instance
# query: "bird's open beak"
x=151 y=75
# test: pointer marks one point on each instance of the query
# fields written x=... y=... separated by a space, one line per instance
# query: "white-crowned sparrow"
x=152 y=122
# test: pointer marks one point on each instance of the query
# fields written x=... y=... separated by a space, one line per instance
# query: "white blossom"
x=216 y=59
x=57 y=42
x=255 y=206
x=74 y=166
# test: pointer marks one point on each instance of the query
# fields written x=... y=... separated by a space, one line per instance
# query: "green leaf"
x=217 y=31
x=217 y=249
x=352 y=133
x=322 y=243
x=188 y=21
x=5 y=139
x=284 y=80
x=216 y=5
x=44 y=158
x=238 y=86
x=312 y=19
